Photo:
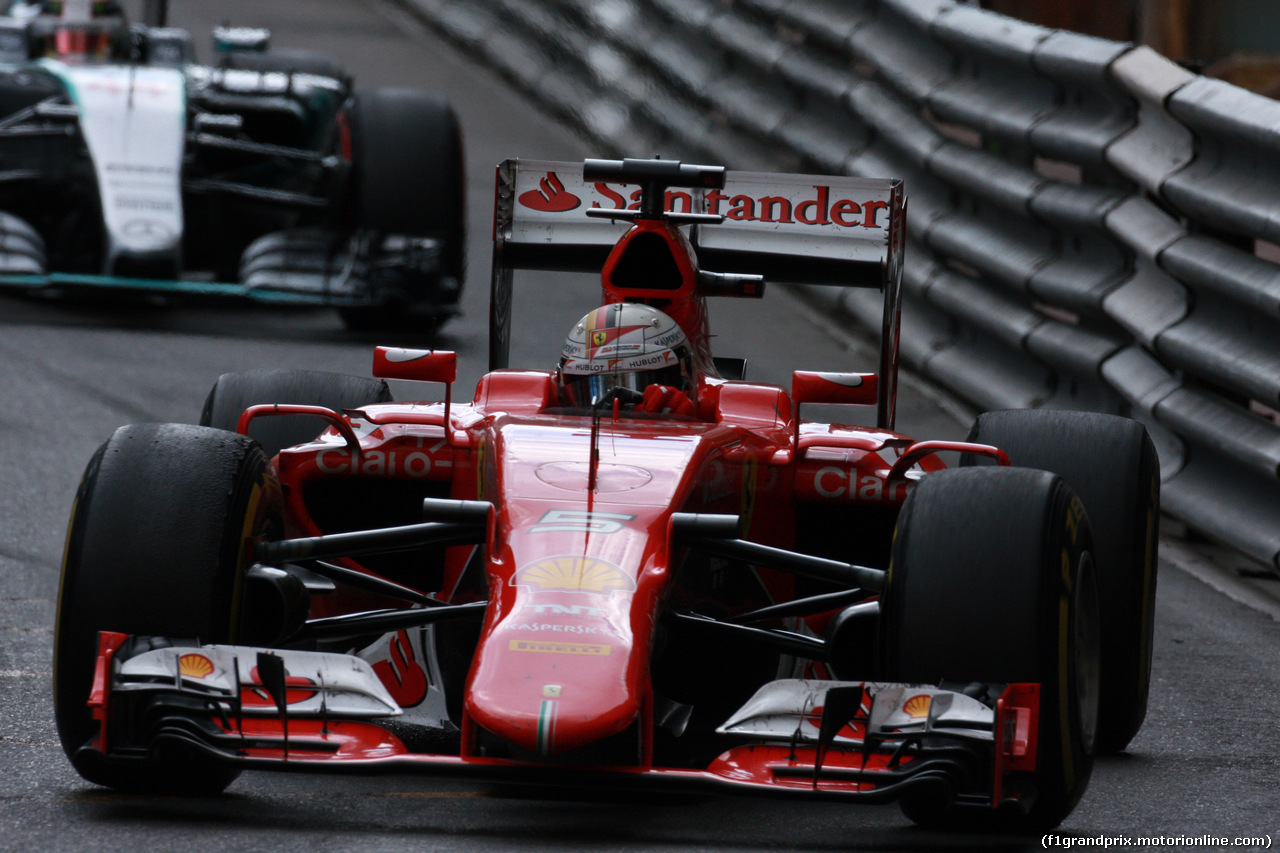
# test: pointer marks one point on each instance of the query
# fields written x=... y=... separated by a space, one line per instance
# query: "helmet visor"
x=592 y=389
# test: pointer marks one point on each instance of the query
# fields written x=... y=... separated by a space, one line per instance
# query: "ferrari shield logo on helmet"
x=615 y=340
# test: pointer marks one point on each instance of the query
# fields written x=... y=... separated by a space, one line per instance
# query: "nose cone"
x=552 y=686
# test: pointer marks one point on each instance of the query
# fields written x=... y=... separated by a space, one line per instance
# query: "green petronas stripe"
x=194 y=288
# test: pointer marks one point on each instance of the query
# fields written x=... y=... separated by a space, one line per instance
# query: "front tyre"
x=992 y=581
x=157 y=546
x=408 y=181
x=1111 y=464
x=407 y=148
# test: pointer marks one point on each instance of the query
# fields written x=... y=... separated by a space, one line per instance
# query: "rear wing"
x=795 y=229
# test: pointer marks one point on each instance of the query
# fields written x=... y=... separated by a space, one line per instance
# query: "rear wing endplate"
x=798 y=229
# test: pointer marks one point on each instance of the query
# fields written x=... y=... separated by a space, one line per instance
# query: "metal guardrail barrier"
x=1091 y=224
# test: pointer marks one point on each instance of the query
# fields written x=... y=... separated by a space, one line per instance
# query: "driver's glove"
x=663 y=399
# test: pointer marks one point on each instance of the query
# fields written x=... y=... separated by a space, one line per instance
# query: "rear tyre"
x=235 y=392
x=992 y=581
x=1111 y=464
x=156 y=547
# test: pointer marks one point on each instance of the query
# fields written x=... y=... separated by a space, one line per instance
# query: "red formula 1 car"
x=639 y=569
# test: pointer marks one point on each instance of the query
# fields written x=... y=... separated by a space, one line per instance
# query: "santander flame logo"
x=550 y=197
x=401 y=673
x=298 y=688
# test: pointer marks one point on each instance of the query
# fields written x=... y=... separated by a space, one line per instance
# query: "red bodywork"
x=579 y=560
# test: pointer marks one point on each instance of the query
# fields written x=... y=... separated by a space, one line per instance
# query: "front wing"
x=301 y=711
x=284 y=268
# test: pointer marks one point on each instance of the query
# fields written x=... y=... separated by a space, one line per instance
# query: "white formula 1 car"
x=262 y=175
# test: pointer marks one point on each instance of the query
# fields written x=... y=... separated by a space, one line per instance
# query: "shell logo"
x=574 y=574
x=195 y=666
x=917 y=706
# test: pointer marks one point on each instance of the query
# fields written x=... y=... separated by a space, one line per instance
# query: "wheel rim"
x=1087 y=651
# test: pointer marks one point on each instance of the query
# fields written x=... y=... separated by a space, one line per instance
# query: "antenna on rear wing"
x=654 y=178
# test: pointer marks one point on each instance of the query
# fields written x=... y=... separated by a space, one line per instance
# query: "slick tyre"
x=1111 y=464
x=235 y=392
x=156 y=547
x=992 y=581
x=407 y=179
x=407 y=149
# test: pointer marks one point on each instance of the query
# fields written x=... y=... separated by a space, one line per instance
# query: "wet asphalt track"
x=1205 y=764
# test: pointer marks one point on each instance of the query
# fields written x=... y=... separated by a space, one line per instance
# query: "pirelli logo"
x=592 y=649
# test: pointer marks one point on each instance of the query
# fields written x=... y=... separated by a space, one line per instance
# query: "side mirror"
x=854 y=389
x=419 y=365
x=15 y=45
x=241 y=40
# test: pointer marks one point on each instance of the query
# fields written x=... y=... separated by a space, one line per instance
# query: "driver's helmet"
x=83 y=29
x=618 y=350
